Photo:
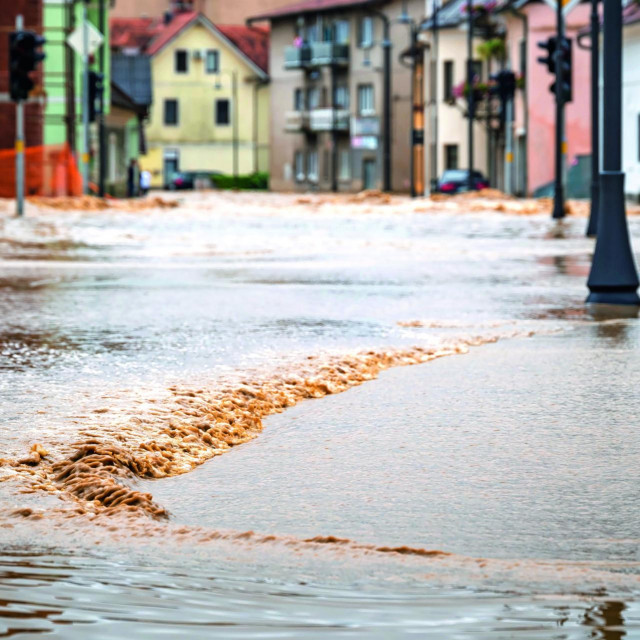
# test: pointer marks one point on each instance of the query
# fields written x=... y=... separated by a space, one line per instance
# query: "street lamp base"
x=592 y=226
x=613 y=278
x=614 y=297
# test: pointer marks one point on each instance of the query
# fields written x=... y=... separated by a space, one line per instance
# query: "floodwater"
x=488 y=494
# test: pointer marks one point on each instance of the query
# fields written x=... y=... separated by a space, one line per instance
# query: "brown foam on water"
x=193 y=425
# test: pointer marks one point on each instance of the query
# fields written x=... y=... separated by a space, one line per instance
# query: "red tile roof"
x=311 y=6
x=133 y=32
x=252 y=41
x=171 y=30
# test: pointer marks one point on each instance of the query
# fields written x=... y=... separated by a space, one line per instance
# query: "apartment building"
x=327 y=94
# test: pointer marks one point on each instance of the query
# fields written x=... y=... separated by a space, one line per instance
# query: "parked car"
x=189 y=180
x=457 y=180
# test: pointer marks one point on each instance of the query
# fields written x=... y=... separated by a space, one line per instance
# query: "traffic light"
x=566 y=59
x=550 y=47
x=23 y=59
x=96 y=94
x=504 y=84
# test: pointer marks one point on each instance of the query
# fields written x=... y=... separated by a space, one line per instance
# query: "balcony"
x=329 y=120
x=329 y=53
x=296 y=121
x=297 y=57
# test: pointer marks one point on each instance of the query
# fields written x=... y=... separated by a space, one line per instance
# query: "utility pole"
x=85 y=99
x=558 y=198
x=435 y=54
x=613 y=278
x=234 y=92
x=102 y=132
x=592 y=227
x=470 y=96
x=19 y=143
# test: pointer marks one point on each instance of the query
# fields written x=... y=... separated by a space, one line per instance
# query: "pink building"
x=534 y=127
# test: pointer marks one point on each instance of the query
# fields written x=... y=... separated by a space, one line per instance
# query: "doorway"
x=170 y=166
x=369 y=174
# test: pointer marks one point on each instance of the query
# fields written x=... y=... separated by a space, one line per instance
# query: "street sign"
x=76 y=39
x=567 y=5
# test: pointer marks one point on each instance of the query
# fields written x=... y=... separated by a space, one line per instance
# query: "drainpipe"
x=102 y=133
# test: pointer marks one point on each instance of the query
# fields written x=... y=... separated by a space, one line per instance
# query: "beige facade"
x=452 y=125
x=195 y=137
x=319 y=142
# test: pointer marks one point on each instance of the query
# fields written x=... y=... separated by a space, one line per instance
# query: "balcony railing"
x=297 y=57
x=329 y=120
x=296 y=121
x=329 y=53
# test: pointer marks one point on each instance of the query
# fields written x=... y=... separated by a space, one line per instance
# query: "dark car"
x=187 y=179
x=457 y=180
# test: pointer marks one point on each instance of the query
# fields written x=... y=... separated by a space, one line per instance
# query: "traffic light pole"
x=19 y=143
x=508 y=154
x=85 y=100
x=470 y=96
x=558 y=196
x=592 y=227
x=613 y=278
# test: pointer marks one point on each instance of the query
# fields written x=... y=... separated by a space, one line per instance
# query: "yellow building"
x=210 y=110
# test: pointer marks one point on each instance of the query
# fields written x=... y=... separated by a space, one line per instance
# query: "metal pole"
x=19 y=144
x=592 y=227
x=613 y=278
x=386 y=45
x=508 y=155
x=85 y=100
x=558 y=199
x=413 y=129
x=436 y=53
x=470 y=102
x=235 y=127
x=334 y=132
x=102 y=132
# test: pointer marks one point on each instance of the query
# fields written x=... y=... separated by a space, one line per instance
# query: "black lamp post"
x=470 y=96
x=592 y=227
x=613 y=278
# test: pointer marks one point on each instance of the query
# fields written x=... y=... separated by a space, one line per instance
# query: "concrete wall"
x=541 y=102
x=200 y=143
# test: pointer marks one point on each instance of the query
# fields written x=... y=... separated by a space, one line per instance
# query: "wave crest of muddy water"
x=194 y=425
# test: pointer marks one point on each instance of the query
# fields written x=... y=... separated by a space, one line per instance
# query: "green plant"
x=252 y=181
x=493 y=48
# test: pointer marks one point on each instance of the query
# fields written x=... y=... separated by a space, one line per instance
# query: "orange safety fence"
x=50 y=170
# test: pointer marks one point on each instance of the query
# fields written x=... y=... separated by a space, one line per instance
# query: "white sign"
x=364 y=142
x=76 y=39
x=567 y=5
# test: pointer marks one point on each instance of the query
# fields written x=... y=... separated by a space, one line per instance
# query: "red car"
x=457 y=180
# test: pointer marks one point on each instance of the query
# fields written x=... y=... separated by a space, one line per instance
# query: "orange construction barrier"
x=50 y=170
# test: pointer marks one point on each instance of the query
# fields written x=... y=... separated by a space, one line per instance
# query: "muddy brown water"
x=489 y=494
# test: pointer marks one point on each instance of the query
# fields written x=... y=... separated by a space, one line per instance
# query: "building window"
x=450 y=156
x=325 y=165
x=476 y=70
x=341 y=97
x=365 y=32
x=298 y=100
x=223 y=112
x=313 y=98
x=298 y=163
x=182 y=61
x=345 y=165
x=448 y=79
x=212 y=61
x=341 y=31
x=171 y=112
x=365 y=100
x=312 y=166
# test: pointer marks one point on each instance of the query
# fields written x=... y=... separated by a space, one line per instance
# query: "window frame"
x=344 y=167
x=176 y=53
x=165 y=105
x=312 y=171
x=216 y=113
x=216 y=56
x=299 y=173
x=367 y=111
x=448 y=79
x=362 y=43
x=447 y=149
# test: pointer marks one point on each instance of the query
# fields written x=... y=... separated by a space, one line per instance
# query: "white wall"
x=631 y=109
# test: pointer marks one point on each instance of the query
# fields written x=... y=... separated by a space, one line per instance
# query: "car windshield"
x=455 y=174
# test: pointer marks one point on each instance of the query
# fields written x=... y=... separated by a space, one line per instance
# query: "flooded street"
x=178 y=458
